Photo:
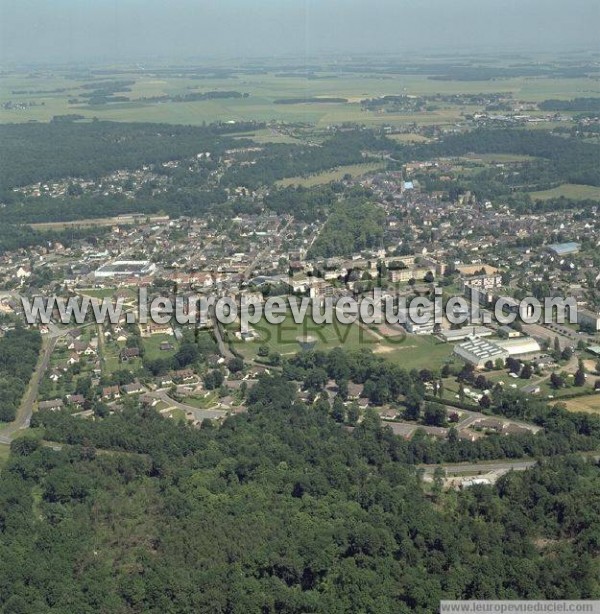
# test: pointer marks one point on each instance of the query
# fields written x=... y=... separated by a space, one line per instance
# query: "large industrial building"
x=564 y=249
x=478 y=352
x=125 y=268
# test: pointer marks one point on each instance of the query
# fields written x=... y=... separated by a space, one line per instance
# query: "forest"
x=41 y=152
x=280 y=509
x=19 y=350
x=352 y=226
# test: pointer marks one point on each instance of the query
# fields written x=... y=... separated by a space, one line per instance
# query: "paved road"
x=199 y=414
x=484 y=467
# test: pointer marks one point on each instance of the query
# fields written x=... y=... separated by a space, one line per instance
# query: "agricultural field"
x=49 y=95
x=569 y=190
x=589 y=404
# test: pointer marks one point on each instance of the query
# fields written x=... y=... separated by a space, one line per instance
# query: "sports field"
x=408 y=351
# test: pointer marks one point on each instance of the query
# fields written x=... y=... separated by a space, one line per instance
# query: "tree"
x=485 y=402
x=338 y=411
x=342 y=388
x=413 y=403
x=556 y=381
x=434 y=414
x=274 y=358
x=235 y=364
x=213 y=379
x=527 y=371
x=353 y=413
x=567 y=353
x=439 y=474
x=263 y=351
x=579 y=377
x=315 y=380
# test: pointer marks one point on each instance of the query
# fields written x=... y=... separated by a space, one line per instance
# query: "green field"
x=263 y=90
x=569 y=190
x=152 y=346
x=282 y=338
x=408 y=351
x=336 y=174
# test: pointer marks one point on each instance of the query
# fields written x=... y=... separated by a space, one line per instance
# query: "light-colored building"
x=520 y=347
x=588 y=318
x=125 y=268
x=478 y=352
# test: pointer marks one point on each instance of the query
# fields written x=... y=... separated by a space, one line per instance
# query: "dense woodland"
x=19 y=349
x=42 y=152
x=352 y=226
x=281 y=509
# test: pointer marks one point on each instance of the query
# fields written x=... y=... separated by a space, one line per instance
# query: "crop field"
x=40 y=96
x=569 y=190
x=589 y=404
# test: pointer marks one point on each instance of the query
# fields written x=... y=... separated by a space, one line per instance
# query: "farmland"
x=42 y=96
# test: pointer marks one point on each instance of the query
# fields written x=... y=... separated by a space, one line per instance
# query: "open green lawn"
x=418 y=352
x=410 y=351
x=152 y=346
x=569 y=190
x=98 y=292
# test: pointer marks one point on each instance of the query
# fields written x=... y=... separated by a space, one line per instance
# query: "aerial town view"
x=299 y=307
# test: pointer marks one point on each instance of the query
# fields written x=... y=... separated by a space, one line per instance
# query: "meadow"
x=589 y=404
x=569 y=190
x=263 y=90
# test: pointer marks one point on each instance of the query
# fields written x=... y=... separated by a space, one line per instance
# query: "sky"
x=99 y=30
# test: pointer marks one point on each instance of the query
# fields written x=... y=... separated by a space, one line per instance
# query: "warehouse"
x=522 y=347
x=564 y=249
x=126 y=268
x=461 y=334
x=478 y=352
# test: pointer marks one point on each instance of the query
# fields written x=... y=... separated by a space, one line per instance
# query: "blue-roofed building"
x=564 y=249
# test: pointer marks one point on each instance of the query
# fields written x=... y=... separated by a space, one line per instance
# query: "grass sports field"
x=408 y=351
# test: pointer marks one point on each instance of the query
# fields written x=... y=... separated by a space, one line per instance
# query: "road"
x=483 y=467
x=199 y=414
